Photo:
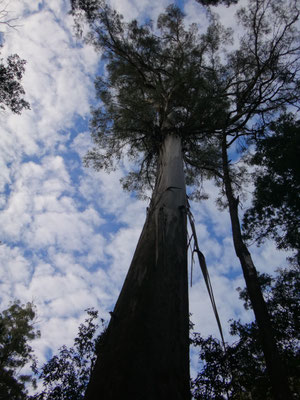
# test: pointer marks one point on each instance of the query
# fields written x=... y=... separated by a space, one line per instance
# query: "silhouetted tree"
x=275 y=206
x=158 y=102
x=66 y=375
x=259 y=79
x=11 y=90
x=177 y=97
x=16 y=330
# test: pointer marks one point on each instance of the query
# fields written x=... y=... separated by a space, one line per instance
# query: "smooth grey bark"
x=145 y=351
x=275 y=367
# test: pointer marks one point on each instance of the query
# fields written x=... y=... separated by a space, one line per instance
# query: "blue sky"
x=68 y=233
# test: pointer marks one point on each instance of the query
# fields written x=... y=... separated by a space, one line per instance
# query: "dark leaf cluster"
x=276 y=204
x=66 y=375
x=16 y=330
x=217 y=2
x=11 y=90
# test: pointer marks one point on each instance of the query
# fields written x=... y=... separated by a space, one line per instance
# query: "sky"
x=68 y=233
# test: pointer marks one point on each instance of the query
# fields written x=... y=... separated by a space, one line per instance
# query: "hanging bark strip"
x=145 y=352
x=205 y=273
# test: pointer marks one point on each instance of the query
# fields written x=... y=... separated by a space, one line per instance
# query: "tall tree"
x=16 y=330
x=266 y=70
x=259 y=79
x=177 y=88
x=157 y=100
x=276 y=205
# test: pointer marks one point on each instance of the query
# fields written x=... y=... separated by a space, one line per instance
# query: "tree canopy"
x=154 y=85
x=191 y=86
x=178 y=79
x=16 y=331
x=66 y=375
x=216 y=2
x=276 y=205
x=11 y=90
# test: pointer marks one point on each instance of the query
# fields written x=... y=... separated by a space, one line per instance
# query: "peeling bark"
x=275 y=367
x=145 y=352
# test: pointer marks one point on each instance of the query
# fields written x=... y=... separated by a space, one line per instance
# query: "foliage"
x=186 y=84
x=276 y=203
x=217 y=2
x=179 y=82
x=182 y=83
x=16 y=330
x=11 y=73
x=11 y=90
x=154 y=86
x=239 y=373
x=262 y=76
x=66 y=375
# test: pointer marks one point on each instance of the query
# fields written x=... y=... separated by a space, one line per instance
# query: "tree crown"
x=158 y=82
x=172 y=80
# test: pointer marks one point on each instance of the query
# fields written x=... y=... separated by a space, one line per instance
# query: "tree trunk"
x=145 y=350
x=275 y=367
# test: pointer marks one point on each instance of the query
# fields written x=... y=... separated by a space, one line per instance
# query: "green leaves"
x=276 y=205
x=154 y=86
x=186 y=84
x=66 y=375
x=16 y=330
x=11 y=90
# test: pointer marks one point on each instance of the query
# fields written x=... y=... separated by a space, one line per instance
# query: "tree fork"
x=145 y=351
x=275 y=367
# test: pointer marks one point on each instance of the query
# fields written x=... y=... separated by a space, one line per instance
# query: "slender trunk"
x=275 y=368
x=145 y=352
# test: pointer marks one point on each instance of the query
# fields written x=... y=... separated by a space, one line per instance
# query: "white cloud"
x=53 y=247
x=193 y=10
x=14 y=266
x=57 y=80
x=140 y=9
